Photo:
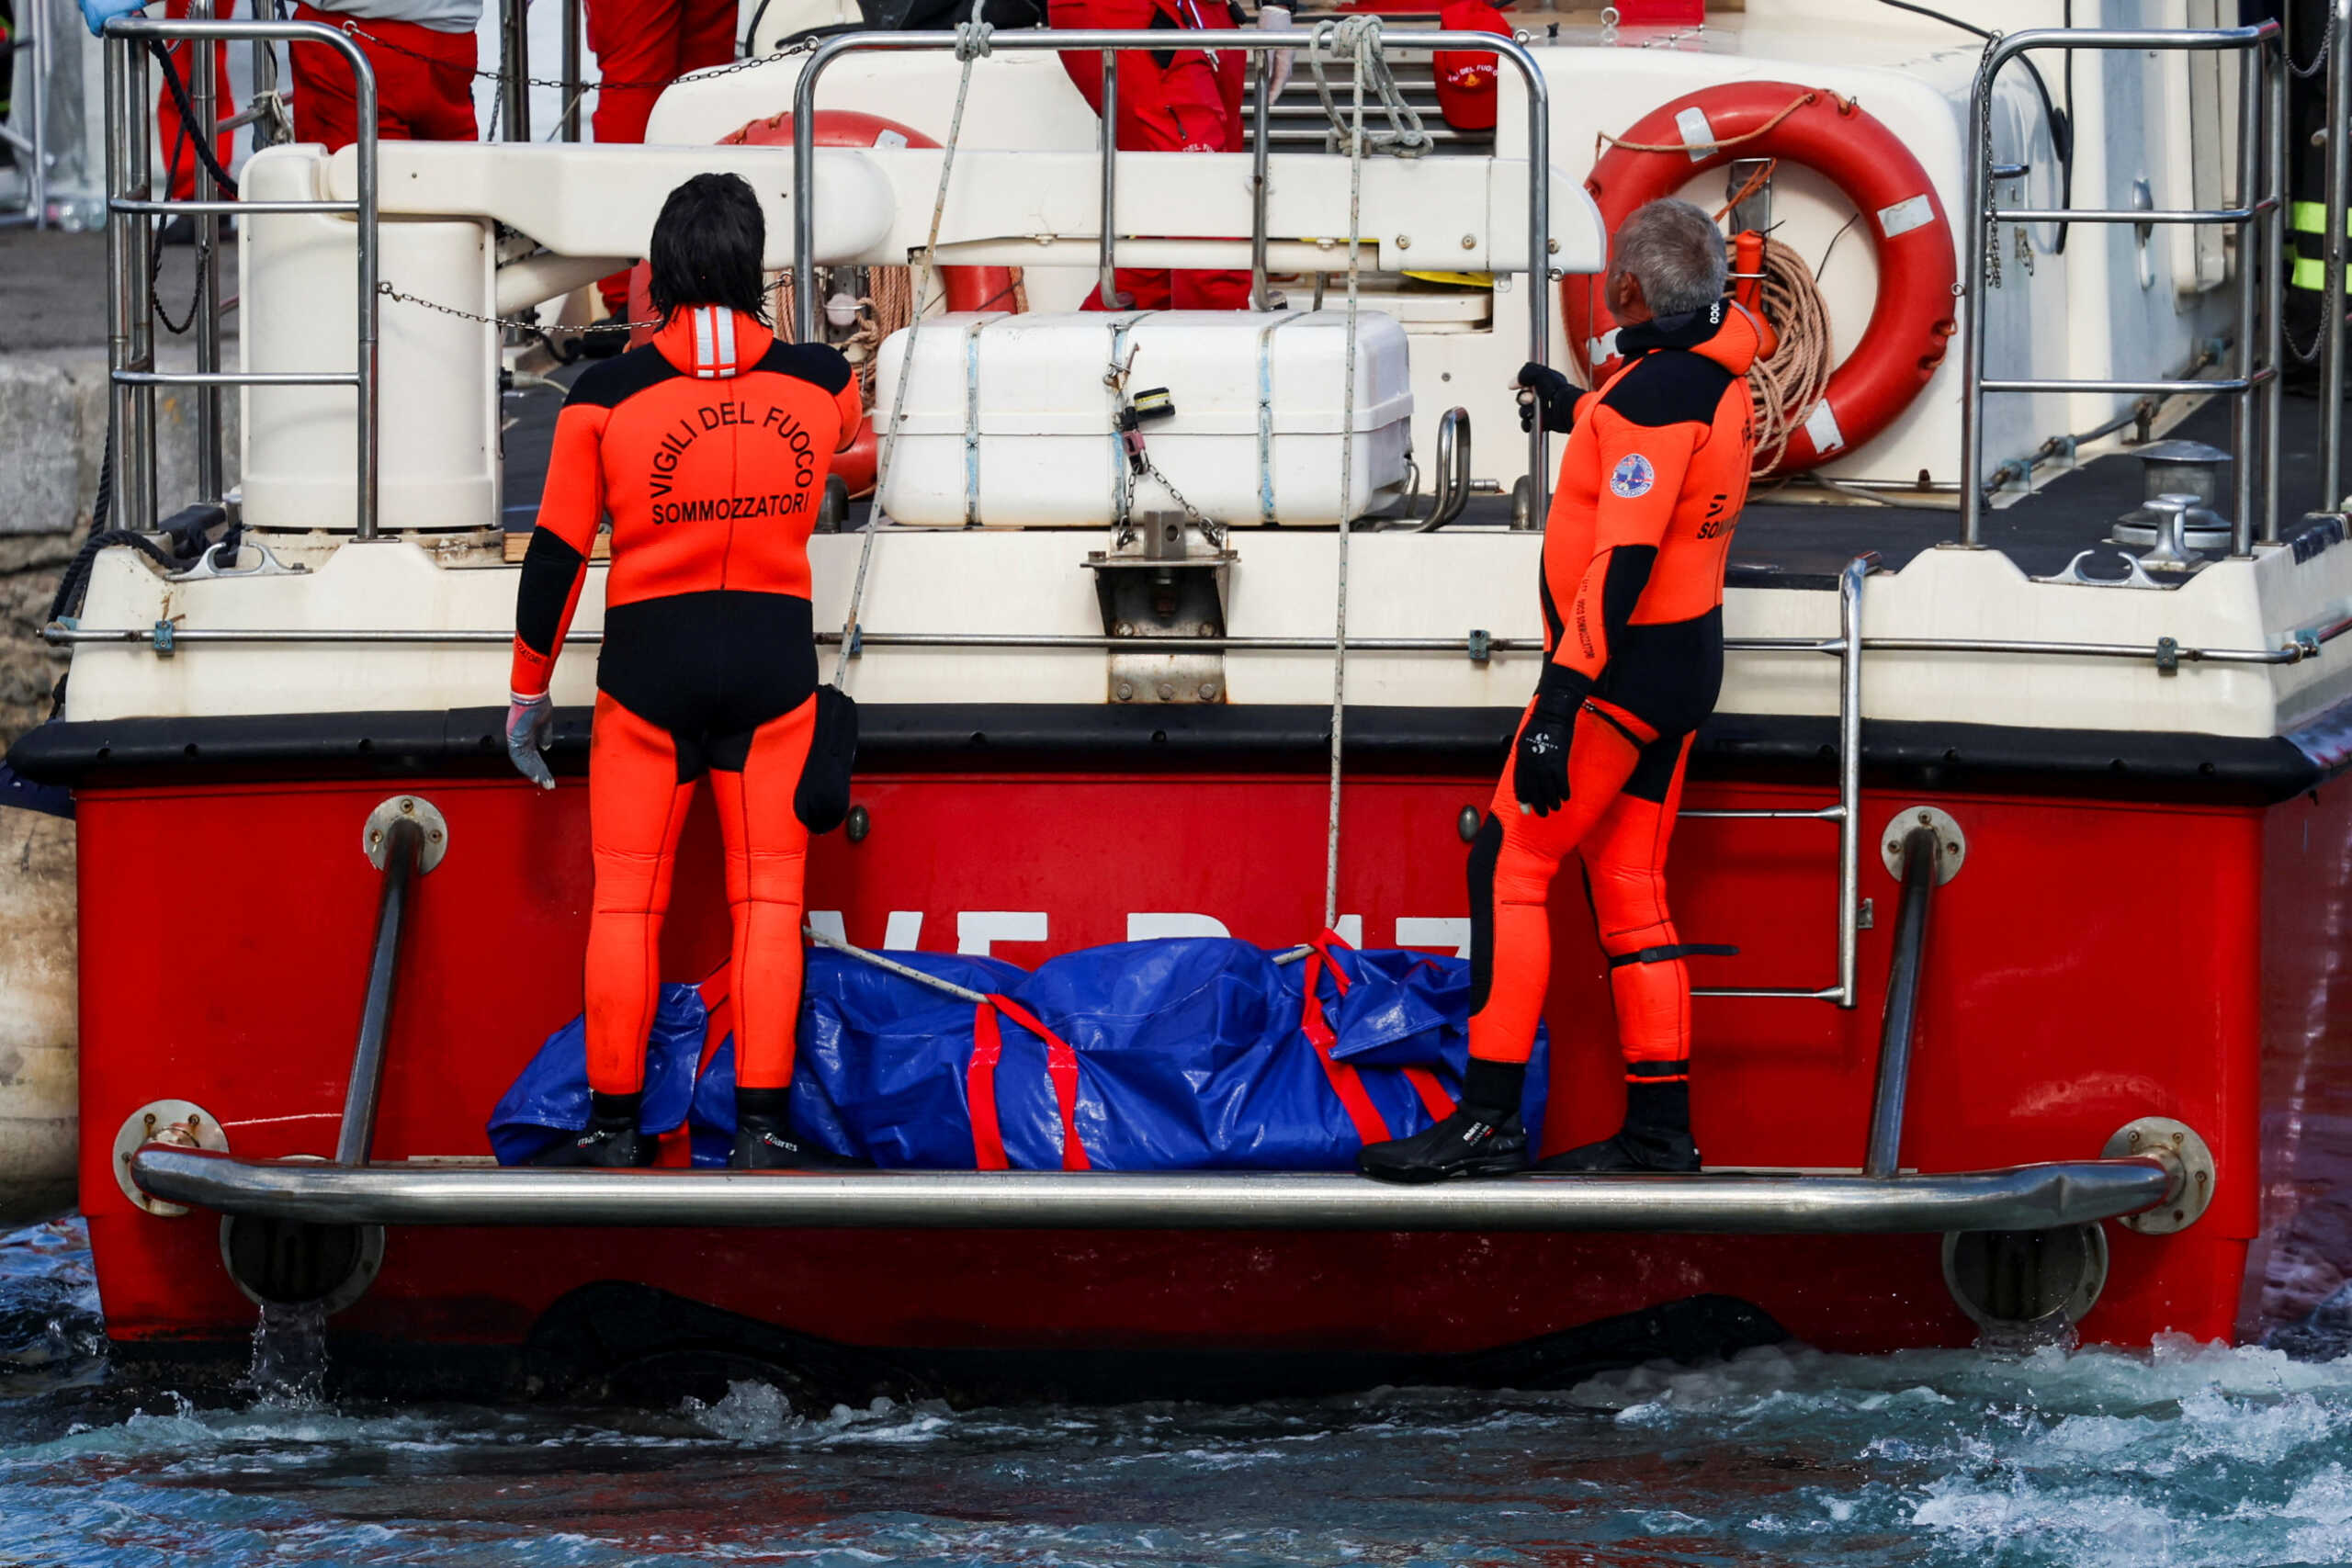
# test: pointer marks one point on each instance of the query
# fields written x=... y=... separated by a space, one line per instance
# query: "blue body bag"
x=1181 y=1053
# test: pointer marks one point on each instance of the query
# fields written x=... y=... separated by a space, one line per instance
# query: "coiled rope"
x=1786 y=387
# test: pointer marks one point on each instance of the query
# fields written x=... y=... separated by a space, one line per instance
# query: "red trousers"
x=637 y=806
x=170 y=132
x=641 y=47
x=1622 y=797
x=424 y=84
x=1191 y=105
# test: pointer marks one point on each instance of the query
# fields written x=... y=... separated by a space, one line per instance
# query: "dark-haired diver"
x=710 y=447
x=1651 y=486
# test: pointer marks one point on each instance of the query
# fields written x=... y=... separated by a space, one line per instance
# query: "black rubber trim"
x=1189 y=738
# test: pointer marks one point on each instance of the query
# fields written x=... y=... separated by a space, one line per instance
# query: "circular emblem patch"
x=1631 y=476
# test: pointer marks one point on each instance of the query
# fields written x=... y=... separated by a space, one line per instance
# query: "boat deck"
x=1783 y=542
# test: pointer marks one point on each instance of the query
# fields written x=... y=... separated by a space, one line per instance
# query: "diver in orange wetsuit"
x=1651 y=486
x=709 y=448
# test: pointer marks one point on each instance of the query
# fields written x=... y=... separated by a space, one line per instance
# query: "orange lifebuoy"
x=965 y=287
x=1912 y=320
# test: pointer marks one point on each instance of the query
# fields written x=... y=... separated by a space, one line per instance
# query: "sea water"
x=2178 y=1454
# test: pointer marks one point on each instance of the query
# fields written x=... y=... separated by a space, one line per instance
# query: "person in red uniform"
x=641 y=47
x=1651 y=486
x=1173 y=100
x=423 y=55
x=709 y=448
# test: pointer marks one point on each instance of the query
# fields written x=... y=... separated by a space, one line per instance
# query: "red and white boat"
x=2033 y=846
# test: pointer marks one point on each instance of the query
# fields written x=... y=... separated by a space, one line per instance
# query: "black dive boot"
x=612 y=1141
x=765 y=1139
x=1483 y=1137
x=1655 y=1136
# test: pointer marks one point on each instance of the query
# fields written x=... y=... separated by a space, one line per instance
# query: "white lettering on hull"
x=1151 y=927
x=976 y=928
x=1442 y=931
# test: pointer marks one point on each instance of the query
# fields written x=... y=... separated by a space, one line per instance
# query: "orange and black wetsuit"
x=708 y=448
x=1650 y=488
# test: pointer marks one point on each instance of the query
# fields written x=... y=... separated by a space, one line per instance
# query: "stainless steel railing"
x=2332 y=252
x=29 y=44
x=2261 y=138
x=1256 y=41
x=1847 y=813
x=132 y=202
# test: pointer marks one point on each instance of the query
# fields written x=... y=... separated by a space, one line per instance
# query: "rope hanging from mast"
x=1359 y=36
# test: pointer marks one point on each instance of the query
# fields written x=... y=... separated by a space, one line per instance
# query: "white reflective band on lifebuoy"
x=1912 y=213
x=1821 y=428
x=1600 y=350
x=890 y=139
x=1697 y=134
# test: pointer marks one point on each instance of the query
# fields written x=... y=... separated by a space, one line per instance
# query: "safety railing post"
x=30 y=110
x=1261 y=99
x=2332 y=249
x=2245 y=412
x=131 y=206
x=134 y=350
x=1107 y=278
x=514 y=68
x=1249 y=41
x=1849 y=773
x=2275 y=262
x=1539 y=264
x=203 y=96
x=365 y=521
x=2257 y=214
x=1977 y=196
x=575 y=89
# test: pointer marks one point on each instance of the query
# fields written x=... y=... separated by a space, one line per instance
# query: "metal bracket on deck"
x=179 y=1123
x=1156 y=583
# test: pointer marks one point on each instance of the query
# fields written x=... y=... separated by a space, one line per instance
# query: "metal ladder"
x=2262 y=94
x=130 y=240
x=1847 y=813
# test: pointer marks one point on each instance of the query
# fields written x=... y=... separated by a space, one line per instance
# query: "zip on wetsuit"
x=1651 y=486
x=709 y=448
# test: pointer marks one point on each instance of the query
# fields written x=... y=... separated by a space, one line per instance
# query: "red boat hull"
x=2094 y=961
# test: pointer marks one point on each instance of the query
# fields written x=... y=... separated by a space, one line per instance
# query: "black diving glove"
x=1540 y=772
x=1543 y=388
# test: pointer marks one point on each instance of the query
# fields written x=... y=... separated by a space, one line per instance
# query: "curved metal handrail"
x=2028 y=1197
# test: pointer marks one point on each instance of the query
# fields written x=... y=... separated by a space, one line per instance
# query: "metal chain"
x=2319 y=62
x=155 y=255
x=515 y=323
x=804 y=47
x=1211 y=530
x=1989 y=256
